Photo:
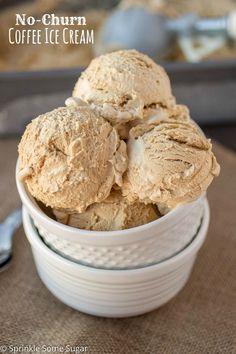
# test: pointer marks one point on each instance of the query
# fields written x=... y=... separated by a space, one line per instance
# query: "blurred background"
x=194 y=40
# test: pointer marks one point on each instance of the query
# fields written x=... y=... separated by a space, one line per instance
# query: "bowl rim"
x=31 y=205
x=191 y=249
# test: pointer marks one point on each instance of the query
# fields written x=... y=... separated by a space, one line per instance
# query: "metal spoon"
x=7 y=229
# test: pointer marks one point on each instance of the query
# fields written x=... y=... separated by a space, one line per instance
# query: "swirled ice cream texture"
x=114 y=213
x=74 y=160
x=70 y=158
x=124 y=86
x=170 y=163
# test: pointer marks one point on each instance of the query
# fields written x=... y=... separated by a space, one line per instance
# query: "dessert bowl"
x=131 y=248
x=113 y=293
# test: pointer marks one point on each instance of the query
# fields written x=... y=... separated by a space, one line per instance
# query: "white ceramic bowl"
x=132 y=248
x=113 y=293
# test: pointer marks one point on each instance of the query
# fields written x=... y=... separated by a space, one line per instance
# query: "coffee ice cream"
x=170 y=163
x=114 y=213
x=74 y=160
x=70 y=158
x=125 y=86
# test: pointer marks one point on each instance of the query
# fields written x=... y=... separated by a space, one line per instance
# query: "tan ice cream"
x=114 y=213
x=170 y=163
x=73 y=159
x=124 y=86
x=70 y=158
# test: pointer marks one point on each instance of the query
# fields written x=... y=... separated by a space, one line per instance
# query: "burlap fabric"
x=201 y=319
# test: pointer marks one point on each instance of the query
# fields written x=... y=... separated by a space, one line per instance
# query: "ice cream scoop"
x=170 y=163
x=147 y=31
x=70 y=158
x=114 y=213
x=122 y=86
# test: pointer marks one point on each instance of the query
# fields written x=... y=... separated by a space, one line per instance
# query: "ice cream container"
x=124 y=249
x=113 y=293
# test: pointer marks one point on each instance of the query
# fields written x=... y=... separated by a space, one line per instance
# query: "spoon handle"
x=211 y=25
x=7 y=228
x=14 y=220
x=190 y=23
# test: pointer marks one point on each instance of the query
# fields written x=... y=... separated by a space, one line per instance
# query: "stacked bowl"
x=116 y=273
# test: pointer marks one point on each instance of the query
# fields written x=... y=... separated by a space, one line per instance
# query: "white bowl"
x=136 y=247
x=113 y=293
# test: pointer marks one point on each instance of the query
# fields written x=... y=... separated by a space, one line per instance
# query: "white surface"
x=231 y=24
x=140 y=246
x=113 y=293
x=206 y=46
